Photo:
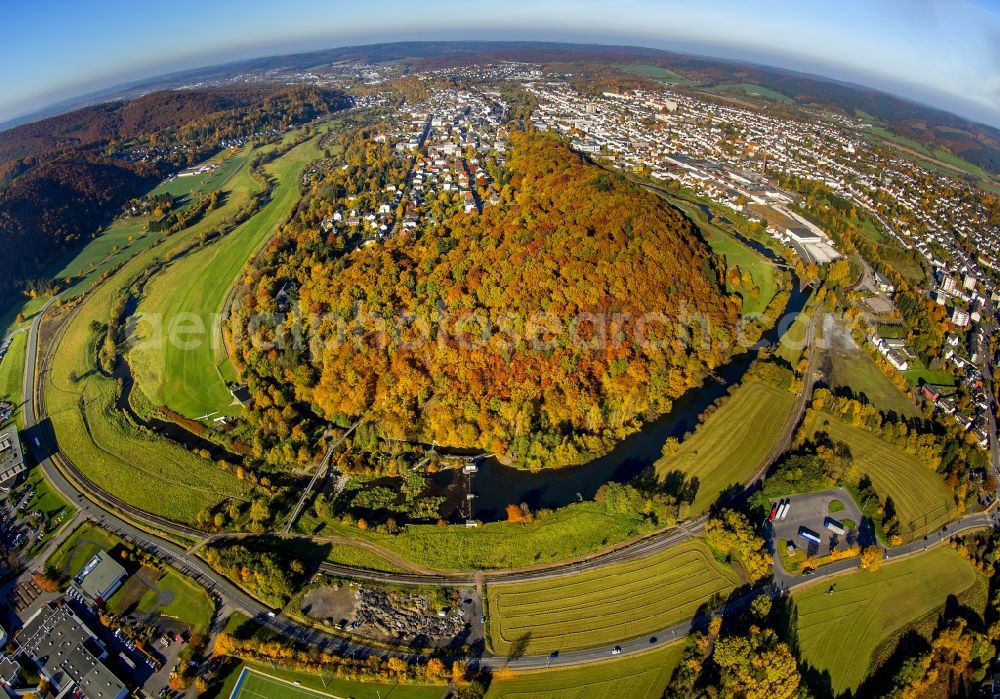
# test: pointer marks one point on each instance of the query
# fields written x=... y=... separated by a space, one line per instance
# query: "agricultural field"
x=854 y=369
x=923 y=501
x=636 y=677
x=841 y=632
x=556 y=535
x=732 y=442
x=264 y=682
x=12 y=372
x=227 y=164
x=607 y=605
x=936 y=159
x=193 y=380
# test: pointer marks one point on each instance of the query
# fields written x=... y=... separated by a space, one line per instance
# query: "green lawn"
x=730 y=446
x=923 y=501
x=607 y=605
x=841 y=632
x=854 y=369
x=141 y=468
x=265 y=682
x=189 y=603
x=47 y=501
x=556 y=535
x=193 y=380
x=79 y=548
x=918 y=374
x=752 y=265
x=12 y=372
x=635 y=677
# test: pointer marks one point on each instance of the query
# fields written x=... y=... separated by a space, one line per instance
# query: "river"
x=496 y=485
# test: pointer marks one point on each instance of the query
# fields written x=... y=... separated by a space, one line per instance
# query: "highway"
x=151 y=533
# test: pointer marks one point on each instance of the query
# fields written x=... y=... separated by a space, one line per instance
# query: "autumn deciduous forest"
x=566 y=238
x=63 y=178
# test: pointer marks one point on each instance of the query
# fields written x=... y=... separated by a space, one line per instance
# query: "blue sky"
x=940 y=52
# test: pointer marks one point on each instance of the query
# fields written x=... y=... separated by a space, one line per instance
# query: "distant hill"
x=977 y=143
x=59 y=183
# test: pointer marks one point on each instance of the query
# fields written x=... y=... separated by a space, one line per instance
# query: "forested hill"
x=63 y=178
x=566 y=239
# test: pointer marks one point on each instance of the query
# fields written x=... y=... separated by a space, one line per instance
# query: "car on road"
x=617 y=650
x=652 y=640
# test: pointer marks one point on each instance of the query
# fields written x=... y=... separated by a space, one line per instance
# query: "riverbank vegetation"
x=731 y=443
x=559 y=212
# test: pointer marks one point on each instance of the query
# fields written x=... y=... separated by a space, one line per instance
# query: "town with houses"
x=454 y=143
x=450 y=149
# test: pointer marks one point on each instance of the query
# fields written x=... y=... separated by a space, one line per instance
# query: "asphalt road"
x=101 y=508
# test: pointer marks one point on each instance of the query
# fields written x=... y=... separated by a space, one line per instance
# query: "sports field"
x=923 y=501
x=840 y=632
x=607 y=605
x=731 y=444
x=193 y=380
x=636 y=677
x=267 y=683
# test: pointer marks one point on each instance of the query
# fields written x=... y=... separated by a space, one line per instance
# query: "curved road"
x=111 y=514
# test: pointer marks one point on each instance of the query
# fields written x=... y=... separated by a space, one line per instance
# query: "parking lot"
x=812 y=511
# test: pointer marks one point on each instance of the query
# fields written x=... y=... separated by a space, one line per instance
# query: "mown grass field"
x=918 y=374
x=751 y=264
x=189 y=604
x=556 y=535
x=792 y=343
x=193 y=380
x=265 y=682
x=141 y=468
x=841 y=632
x=923 y=501
x=228 y=163
x=635 y=677
x=608 y=605
x=12 y=372
x=79 y=547
x=363 y=559
x=731 y=444
x=852 y=368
